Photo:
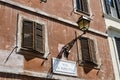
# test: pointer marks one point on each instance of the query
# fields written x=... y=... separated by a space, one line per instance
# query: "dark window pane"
x=117 y=2
x=107 y=6
x=111 y=3
x=82 y=5
x=79 y=6
x=117 y=40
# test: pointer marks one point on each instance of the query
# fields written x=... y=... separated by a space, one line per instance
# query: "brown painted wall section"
x=58 y=33
x=66 y=9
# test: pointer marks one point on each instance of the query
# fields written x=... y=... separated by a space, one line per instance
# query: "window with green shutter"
x=88 y=51
x=33 y=36
x=82 y=6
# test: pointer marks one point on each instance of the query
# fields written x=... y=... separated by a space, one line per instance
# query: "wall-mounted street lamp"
x=44 y=1
x=84 y=23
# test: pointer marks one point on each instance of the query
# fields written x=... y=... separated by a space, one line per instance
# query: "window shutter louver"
x=85 y=6
x=88 y=51
x=107 y=6
x=39 y=46
x=92 y=51
x=118 y=7
x=85 y=50
x=117 y=40
x=27 y=35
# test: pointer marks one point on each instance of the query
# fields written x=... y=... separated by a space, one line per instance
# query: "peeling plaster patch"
x=52 y=48
x=15 y=60
x=14 y=64
x=65 y=34
x=8 y=29
x=1 y=40
x=3 y=56
x=60 y=47
x=7 y=69
x=64 y=30
x=7 y=46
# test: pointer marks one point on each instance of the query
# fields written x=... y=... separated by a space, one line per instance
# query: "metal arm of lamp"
x=83 y=24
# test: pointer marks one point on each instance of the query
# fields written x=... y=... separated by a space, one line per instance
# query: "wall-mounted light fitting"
x=84 y=23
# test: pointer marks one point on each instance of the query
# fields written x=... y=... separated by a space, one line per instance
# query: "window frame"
x=33 y=37
x=97 y=56
x=80 y=11
x=19 y=36
x=112 y=33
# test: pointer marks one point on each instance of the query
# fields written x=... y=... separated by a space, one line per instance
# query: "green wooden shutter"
x=107 y=6
x=39 y=38
x=85 y=6
x=27 y=34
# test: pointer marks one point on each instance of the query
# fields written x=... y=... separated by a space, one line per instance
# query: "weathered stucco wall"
x=66 y=9
x=58 y=33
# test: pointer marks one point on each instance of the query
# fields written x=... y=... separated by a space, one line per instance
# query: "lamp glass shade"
x=84 y=23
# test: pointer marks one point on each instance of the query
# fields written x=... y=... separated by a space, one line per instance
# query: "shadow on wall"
x=10 y=76
x=28 y=55
x=87 y=69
